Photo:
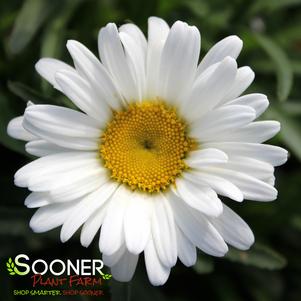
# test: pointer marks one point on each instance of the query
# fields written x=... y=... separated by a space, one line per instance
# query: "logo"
x=57 y=267
x=11 y=267
x=79 y=276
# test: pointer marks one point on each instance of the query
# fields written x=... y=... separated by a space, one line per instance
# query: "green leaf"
x=292 y=108
x=9 y=260
x=30 y=18
x=26 y=93
x=260 y=256
x=54 y=38
x=290 y=128
x=282 y=64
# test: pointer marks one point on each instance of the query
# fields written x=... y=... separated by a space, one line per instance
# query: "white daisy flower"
x=158 y=139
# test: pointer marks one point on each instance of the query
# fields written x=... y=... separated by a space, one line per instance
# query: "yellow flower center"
x=144 y=146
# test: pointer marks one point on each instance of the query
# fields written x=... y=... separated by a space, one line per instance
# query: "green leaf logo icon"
x=106 y=276
x=10 y=265
x=12 y=269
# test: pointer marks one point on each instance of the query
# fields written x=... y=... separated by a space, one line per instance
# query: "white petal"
x=258 y=169
x=186 y=250
x=52 y=164
x=135 y=32
x=83 y=95
x=112 y=230
x=47 y=68
x=179 y=61
x=110 y=260
x=125 y=268
x=136 y=60
x=156 y=271
x=41 y=148
x=61 y=179
x=164 y=232
x=199 y=197
x=157 y=34
x=92 y=225
x=206 y=156
x=71 y=143
x=62 y=126
x=233 y=229
x=271 y=180
x=51 y=216
x=91 y=68
x=220 y=185
x=113 y=57
x=86 y=208
x=37 y=199
x=16 y=130
x=229 y=46
x=274 y=155
x=222 y=121
x=63 y=121
x=199 y=231
x=244 y=78
x=78 y=187
x=209 y=89
x=258 y=102
x=252 y=188
x=137 y=222
x=255 y=132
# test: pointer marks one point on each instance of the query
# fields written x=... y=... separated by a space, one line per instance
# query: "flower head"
x=157 y=139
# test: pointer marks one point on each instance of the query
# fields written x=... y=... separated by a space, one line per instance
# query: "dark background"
x=271 y=31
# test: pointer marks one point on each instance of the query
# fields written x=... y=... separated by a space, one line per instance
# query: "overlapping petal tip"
x=62 y=126
x=244 y=78
x=81 y=93
x=37 y=199
x=16 y=130
x=180 y=52
x=259 y=102
x=49 y=217
x=158 y=31
x=113 y=57
x=47 y=68
x=229 y=46
x=207 y=156
x=85 y=208
x=234 y=229
x=272 y=154
x=209 y=89
x=89 y=67
x=199 y=197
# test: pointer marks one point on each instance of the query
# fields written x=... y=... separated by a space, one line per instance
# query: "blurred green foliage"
x=271 y=31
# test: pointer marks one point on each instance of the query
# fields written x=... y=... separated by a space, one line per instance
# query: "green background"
x=271 y=31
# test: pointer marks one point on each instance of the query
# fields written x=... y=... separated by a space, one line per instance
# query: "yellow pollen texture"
x=144 y=146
